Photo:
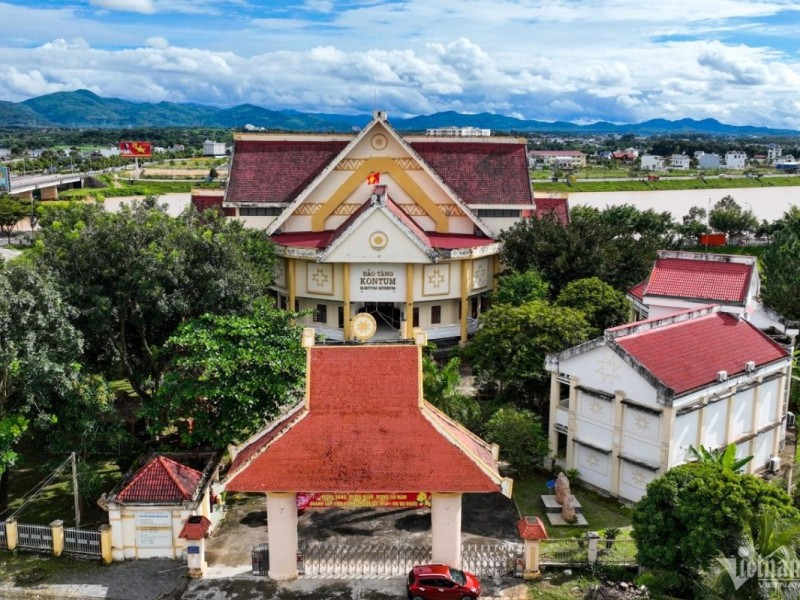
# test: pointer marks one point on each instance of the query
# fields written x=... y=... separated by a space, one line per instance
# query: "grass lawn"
x=601 y=512
x=642 y=185
x=56 y=500
x=26 y=568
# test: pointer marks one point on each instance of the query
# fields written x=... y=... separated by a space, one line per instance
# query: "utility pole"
x=75 y=490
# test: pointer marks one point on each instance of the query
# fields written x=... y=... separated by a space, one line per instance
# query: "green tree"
x=781 y=267
x=229 y=375
x=38 y=352
x=726 y=458
x=521 y=436
x=618 y=245
x=763 y=566
x=696 y=510
x=728 y=217
x=601 y=304
x=509 y=349
x=693 y=224
x=514 y=287
x=136 y=275
x=440 y=388
x=11 y=212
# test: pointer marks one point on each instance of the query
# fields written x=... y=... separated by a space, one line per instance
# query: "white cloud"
x=136 y=6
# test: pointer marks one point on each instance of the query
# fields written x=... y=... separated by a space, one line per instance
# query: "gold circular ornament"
x=378 y=240
x=378 y=141
x=364 y=326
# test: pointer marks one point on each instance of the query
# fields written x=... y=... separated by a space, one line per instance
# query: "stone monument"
x=568 y=510
x=562 y=488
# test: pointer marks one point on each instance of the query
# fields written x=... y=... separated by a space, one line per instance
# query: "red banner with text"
x=370 y=500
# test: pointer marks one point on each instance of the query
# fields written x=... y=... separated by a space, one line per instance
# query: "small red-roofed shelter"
x=532 y=530
x=364 y=429
x=150 y=509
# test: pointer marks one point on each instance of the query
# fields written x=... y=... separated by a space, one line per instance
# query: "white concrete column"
x=572 y=420
x=446 y=528
x=115 y=522
x=282 y=535
x=129 y=549
x=555 y=392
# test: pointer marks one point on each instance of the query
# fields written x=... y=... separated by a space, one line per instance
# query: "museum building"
x=403 y=229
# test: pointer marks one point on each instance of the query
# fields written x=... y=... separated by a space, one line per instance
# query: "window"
x=283 y=302
x=497 y=213
x=415 y=317
x=321 y=314
x=266 y=211
x=296 y=305
x=340 y=315
x=436 y=314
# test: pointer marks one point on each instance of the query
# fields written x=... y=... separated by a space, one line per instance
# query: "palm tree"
x=766 y=565
x=726 y=458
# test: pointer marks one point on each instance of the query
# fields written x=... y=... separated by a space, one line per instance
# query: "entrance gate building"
x=364 y=433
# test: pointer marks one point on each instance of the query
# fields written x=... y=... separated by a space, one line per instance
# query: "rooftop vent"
x=722 y=376
x=750 y=366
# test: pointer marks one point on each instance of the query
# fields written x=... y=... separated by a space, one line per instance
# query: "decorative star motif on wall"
x=639 y=479
x=642 y=423
x=595 y=407
x=593 y=460
x=608 y=369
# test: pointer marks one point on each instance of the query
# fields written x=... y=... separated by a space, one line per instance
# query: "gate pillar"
x=446 y=528
x=282 y=535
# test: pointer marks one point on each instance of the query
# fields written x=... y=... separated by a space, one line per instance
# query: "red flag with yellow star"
x=374 y=178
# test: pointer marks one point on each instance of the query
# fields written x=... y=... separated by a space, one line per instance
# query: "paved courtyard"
x=485 y=517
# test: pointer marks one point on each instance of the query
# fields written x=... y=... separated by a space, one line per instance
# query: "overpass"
x=47 y=184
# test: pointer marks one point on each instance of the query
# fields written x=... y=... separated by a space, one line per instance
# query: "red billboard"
x=363 y=500
x=135 y=149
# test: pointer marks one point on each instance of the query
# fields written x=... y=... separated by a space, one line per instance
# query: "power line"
x=31 y=495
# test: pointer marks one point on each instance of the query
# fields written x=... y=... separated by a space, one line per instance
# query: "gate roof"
x=364 y=427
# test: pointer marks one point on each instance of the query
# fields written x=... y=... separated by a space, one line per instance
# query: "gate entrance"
x=369 y=560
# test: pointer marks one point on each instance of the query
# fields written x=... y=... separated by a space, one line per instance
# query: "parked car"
x=440 y=582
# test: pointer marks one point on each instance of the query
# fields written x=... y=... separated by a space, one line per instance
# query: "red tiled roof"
x=304 y=239
x=637 y=291
x=365 y=431
x=481 y=173
x=277 y=170
x=195 y=528
x=688 y=354
x=559 y=206
x=531 y=528
x=161 y=480
x=456 y=241
x=205 y=201
x=725 y=282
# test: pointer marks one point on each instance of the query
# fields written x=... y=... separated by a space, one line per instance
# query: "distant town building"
x=787 y=164
x=5 y=153
x=211 y=148
x=681 y=162
x=774 y=151
x=735 y=160
x=709 y=161
x=627 y=155
x=653 y=162
x=458 y=132
x=557 y=159
x=177 y=148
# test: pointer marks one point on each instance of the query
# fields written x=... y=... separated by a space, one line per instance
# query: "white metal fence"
x=34 y=537
x=85 y=542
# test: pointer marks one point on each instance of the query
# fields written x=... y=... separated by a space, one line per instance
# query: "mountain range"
x=84 y=109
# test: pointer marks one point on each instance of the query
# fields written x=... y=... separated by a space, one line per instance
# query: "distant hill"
x=86 y=109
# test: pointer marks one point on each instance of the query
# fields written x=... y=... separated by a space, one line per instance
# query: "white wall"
x=684 y=434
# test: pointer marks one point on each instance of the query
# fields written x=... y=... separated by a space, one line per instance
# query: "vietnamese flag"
x=374 y=178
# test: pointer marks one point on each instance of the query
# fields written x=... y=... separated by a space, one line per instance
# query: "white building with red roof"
x=401 y=228
x=681 y=280
x=626 y=407
x=148 y=511
x=364 y=436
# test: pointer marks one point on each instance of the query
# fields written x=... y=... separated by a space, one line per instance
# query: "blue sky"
x=574 y=60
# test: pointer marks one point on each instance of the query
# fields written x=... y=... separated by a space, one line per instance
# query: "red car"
x=440 y=582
